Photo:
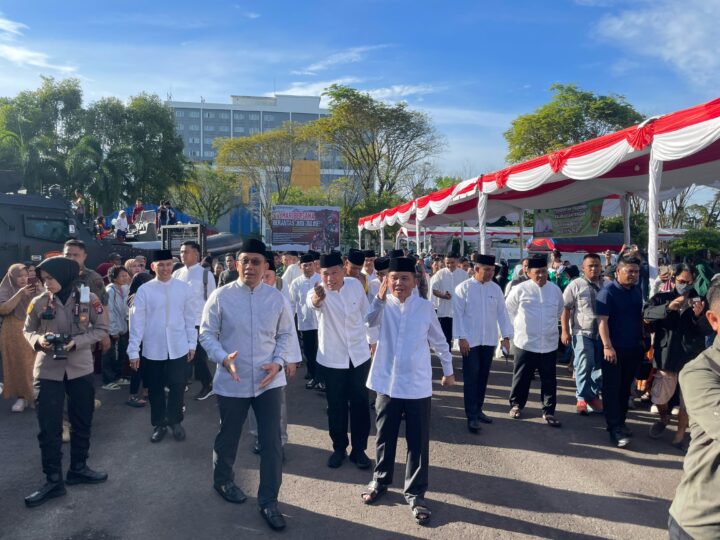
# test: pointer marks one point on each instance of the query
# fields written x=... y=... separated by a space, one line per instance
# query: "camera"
x=58 y=342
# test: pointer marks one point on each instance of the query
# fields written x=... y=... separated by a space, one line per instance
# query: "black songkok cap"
x=484 y=259
x=328 y=260
x=307 y=258
x=315 y=255
x=452 y=255
x=402 y=264
x=537 y=262
x=252 y=245
x=356 y=256
x=369 y=253
x=292 y=253
x=162 y=255
x=381 y=263
x=270 y=258
x=395 y=253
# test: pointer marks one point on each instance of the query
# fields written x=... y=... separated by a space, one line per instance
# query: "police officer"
x=62 y=325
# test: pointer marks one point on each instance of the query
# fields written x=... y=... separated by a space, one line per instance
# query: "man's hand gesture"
x=319 y=295
x=382 y=293
x=229 y=364
x=272 y=370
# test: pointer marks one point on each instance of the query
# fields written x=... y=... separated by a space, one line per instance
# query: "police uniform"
x=84 y=323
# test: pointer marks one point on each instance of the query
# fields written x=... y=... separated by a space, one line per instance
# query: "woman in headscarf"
x=18 y=357
x=62 y=325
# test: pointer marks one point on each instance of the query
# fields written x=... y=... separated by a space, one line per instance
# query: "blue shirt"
x=623 y=307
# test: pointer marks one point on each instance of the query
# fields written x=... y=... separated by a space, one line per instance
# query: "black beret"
x=537 y=262
x=162 y=255
x=484 y=259
x=573 y=271
x=252 y=245
x=395 y=253
x=356 y=256
x=307 y=258
x=328 y=260
x=369 y=253
x=381 y=263
x=452 y=255
x=292 y=253
x=402 y=264
x=315 y=254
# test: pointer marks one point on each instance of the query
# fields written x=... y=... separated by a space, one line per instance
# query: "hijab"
x=137 y=280
x=64 y=271
x=9 y=288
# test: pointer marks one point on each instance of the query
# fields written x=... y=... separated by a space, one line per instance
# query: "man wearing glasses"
x=247 y=328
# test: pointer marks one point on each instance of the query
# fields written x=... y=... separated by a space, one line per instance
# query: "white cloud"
x=400 y=91
x=682 y=34
x=21 y=56
x=469 y=117
x=251 y=15
x=11 y=27
x=315 y=88
x=348 y=56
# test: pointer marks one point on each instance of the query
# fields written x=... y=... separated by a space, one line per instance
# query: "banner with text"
x=577 y=220
x=300 y=228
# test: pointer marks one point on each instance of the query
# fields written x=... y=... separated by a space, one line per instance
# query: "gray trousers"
x=233 y=412
x=252 y=421
x=417 y=434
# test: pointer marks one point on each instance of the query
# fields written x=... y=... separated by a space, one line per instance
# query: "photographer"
x=62 y=325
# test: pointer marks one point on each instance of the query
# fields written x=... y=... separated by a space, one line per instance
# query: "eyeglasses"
x=253 y=262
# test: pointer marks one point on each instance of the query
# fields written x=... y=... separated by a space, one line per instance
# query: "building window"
x=224 y=128
x=224 y=115
x=239 y=116
x=209 y=114
x=254 y=116
x=179 y=114
x=239 y=129
x=209 y=128
x=253 y=131
x=194 y=127
x=209 y=153
x=208 y=140
x=194 y=114
x=268 y=117
x=180 y=127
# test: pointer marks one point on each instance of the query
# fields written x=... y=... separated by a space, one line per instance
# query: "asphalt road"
x=517 y=479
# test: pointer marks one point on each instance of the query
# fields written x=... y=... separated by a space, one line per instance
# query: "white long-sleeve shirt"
x=535 y=312
x=299 y=289
x=478 y=310
x=445 y=281
x=291 y=273
x=342 y=334
x=401 y=367
x=162 y=320
x=194 y=276
x=258 y=324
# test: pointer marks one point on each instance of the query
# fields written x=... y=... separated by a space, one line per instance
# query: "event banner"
x=300 y=228
x=577 y=220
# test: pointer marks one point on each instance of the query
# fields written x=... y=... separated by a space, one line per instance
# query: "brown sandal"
x=551 y=420
x=421 y=514
x=373 y=493
x=515 y=412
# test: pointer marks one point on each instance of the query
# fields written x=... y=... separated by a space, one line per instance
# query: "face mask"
x=681 y=288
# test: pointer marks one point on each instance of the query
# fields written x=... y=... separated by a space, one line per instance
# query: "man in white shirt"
x=202 y=283
x=368 y=266
x=306 y=320
x=401 y=374
x=381 y=265
x=442 y=286
x=354 y=265
x=247 y=329
x=162 y=320
x=291 y=268
x=479 y=309
x=340 y=304
x=535 y=307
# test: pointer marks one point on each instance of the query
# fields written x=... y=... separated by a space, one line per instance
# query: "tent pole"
x=654 y=182
x=522 y=233
x=625 y=210
x=482 y=218
x=359 y=238
x=382 y=241
x=417 y=234
x=462 y=238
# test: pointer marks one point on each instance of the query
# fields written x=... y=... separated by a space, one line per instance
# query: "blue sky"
x=472 y=65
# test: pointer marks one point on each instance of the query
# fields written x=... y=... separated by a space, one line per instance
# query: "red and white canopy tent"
x=674 y=150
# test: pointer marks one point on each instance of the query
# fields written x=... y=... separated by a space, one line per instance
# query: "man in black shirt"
x=231 y=274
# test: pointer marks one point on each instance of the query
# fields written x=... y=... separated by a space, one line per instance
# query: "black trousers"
x=233 y=412
x=617 y=380
x=446 y=325
x=346 y=392
x=476 y=371
x=50 y=404
x=309 y=348
x=165 y=410
x=526 y=363
x=417 y=434
x=114 y=358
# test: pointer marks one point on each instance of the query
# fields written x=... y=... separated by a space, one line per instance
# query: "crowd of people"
x=242 y=323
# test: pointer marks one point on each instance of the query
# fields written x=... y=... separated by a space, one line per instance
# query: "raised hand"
x=382 y=293
x=229 y=364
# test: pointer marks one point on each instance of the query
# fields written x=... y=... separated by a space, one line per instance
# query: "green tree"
x=695 y=240
x=206 y=194
x=572 y=116
x=638 y=228
x=380 y=143
x=442 y=182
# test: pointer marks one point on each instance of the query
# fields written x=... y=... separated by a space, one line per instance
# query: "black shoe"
x=231 y=493
x=336 y=459
x=321 y=387
x=204 y=393
x=273 y=517
x=84 y=475
x=626 y=431
x=308 y=377
x=360 y=460
x=311 y=384
x=256 y=447
x=484 y=418
x=474 y=426
x=178 y=432
x=158 y=434
x=619 y=438
x=54 y=487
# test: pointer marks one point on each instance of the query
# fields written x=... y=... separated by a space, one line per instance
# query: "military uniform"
x=90 y=278
x=86 y=324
